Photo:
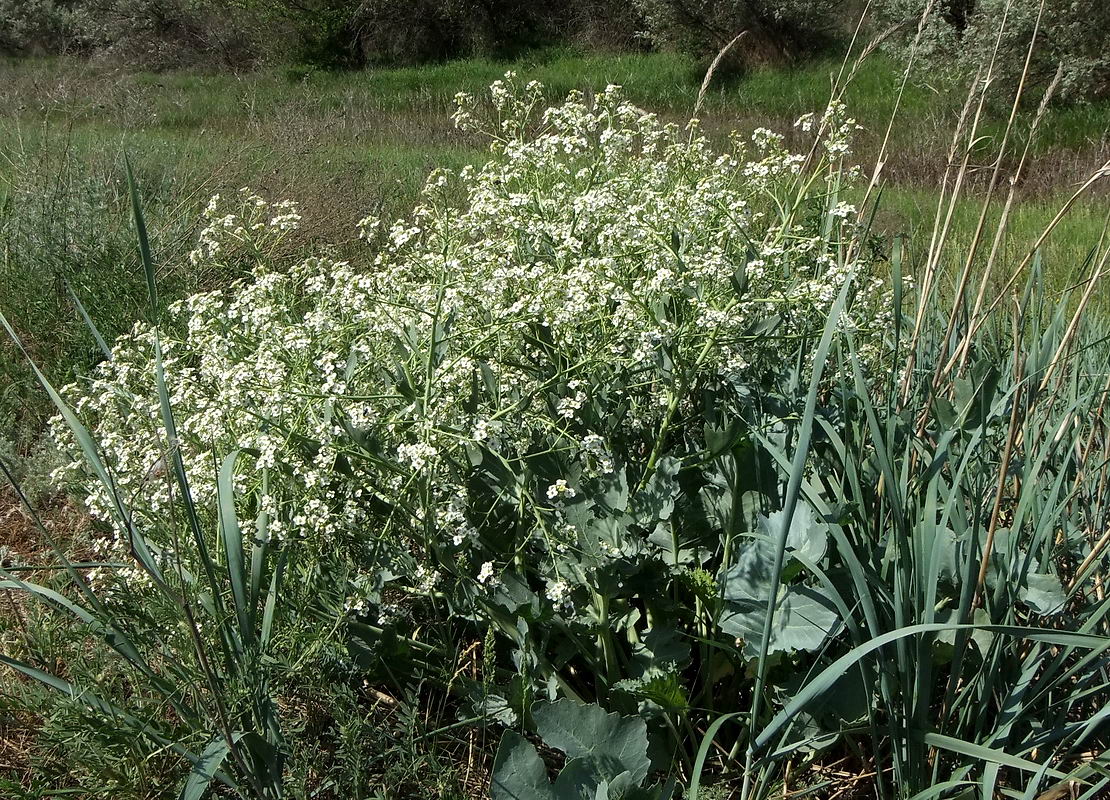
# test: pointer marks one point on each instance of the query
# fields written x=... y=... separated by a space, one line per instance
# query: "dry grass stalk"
x=713 y=68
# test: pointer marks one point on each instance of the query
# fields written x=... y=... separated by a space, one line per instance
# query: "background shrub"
x=961 y=35
x=777 y=30
x=43 y=26
x=158 y=34
x=395 y=31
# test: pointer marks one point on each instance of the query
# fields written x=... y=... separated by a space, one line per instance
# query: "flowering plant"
x=627 y=420
x=534 y=412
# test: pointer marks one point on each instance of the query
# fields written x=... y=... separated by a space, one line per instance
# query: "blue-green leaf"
x=1043 y=593
x=206 y=767
x=615 y=743
x=518 y=772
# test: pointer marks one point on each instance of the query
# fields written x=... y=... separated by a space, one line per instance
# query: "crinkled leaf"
x=518 y=772
x=657 y=690
x=803 y=618
x=661 y=646
x=614 y=742
x=579 y=780
x=656 y=500
x=808 y=536
x=1043 y=593
x=749 y=578
x=493 y=708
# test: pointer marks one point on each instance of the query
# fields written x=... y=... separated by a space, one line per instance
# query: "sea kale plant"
x=611 y=293
x=646 y=423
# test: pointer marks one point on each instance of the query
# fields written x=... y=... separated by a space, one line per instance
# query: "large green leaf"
x=803 y=618
x=661 y=646
x=579 y=780
x=614 y=743
x=518 y=772
x=1043 y=593
x=656 y=500
x=750 y=577
x=673 y=554
x=946 y=640
x=807 y=536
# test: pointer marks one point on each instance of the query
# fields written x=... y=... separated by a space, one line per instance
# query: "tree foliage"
x=961 y=36
x=775 y=30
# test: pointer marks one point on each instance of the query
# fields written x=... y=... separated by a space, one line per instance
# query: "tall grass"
x=65 y=245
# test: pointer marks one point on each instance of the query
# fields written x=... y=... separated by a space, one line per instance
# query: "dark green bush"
x=31 y=26
x=776 y=30
x=413 y=31
x=159 y=34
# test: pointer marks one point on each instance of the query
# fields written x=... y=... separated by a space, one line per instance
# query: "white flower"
x=416 y=455
x=367 y=227
x=480 y=431
x=569 y=406
x=558 y=592
x=426 y=579
x=560 y=490
x=486 y=576
x=609 y=237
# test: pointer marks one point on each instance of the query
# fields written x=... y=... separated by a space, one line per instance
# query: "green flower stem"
x=676 y=398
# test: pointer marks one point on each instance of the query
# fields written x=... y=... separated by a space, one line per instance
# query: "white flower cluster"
x=601 y=258
x=559 y=491
x=835 y=127
x=254 y=227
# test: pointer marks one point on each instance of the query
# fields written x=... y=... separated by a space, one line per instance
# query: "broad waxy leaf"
x=656 y=500
x=579 y=780
x=982 y=639
x=803 y=618
x=494 y=708
x=617 y=744
x=518 y=772
x=807 y=536
x=662 y=645
x=1043 y=593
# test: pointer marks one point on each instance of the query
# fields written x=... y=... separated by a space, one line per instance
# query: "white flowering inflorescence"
x=602 y=264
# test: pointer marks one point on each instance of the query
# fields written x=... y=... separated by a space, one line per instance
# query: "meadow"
x=632 y=461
